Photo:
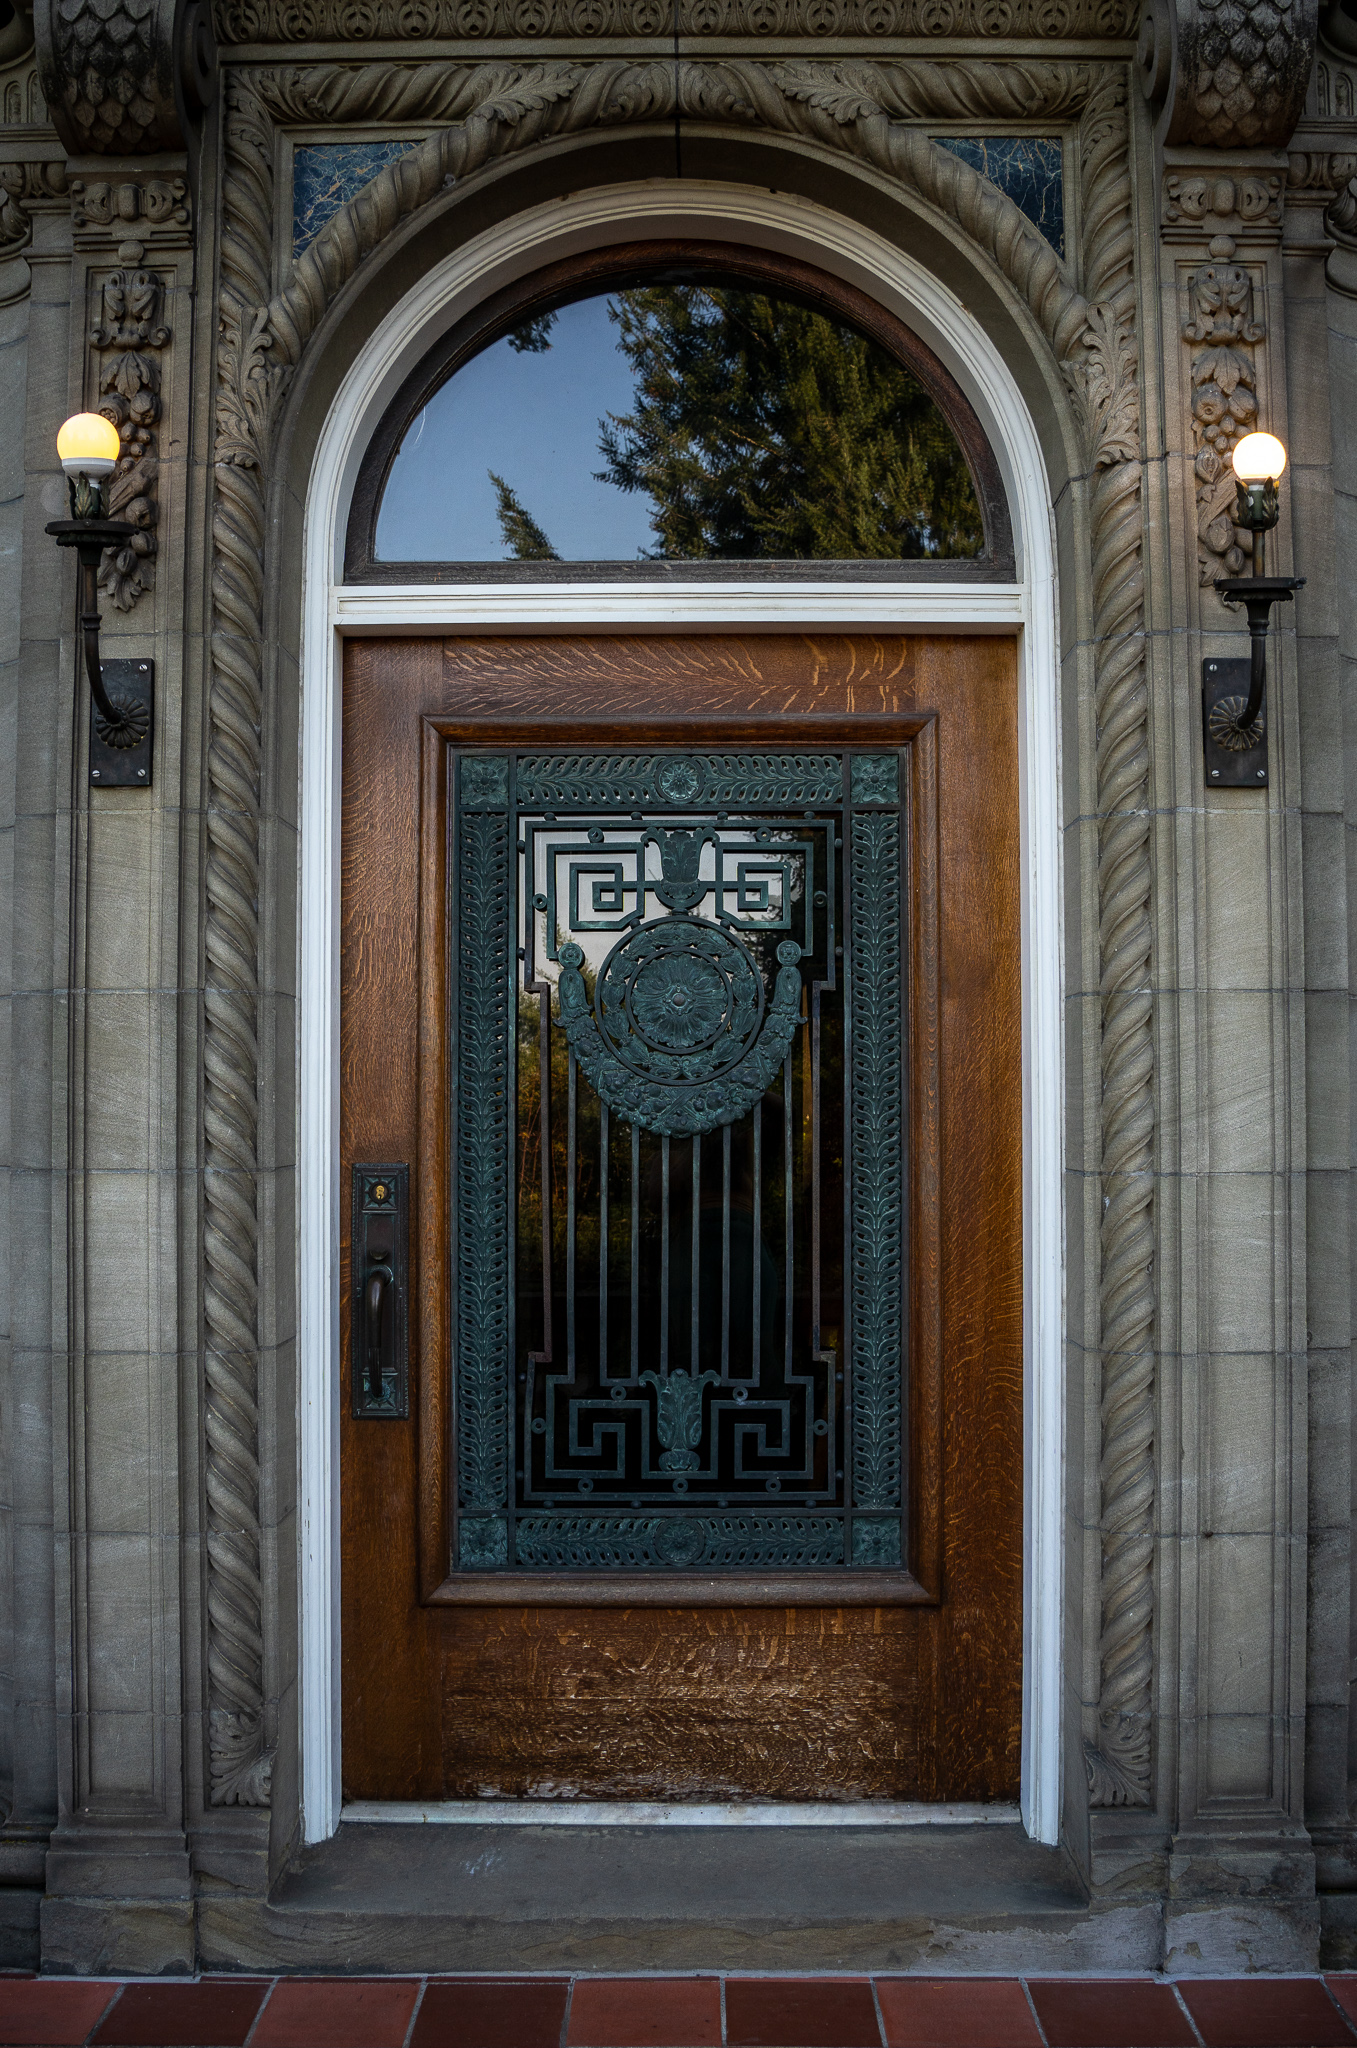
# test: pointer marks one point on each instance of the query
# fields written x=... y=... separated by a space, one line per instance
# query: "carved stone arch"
x=837 y=129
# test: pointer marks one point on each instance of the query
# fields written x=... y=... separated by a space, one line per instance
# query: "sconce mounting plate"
x=1225 y=694
x=131 y=685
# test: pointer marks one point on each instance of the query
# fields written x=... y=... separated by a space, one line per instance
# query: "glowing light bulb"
x=88 y=445
x=1258 y=458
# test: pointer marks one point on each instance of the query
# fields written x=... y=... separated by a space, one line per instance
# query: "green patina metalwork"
x=699 y=1104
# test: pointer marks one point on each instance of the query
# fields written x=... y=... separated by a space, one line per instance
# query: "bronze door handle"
x=374 y=1300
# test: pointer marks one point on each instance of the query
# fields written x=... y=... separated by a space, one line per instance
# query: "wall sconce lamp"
x=1234 y=716
x=122 y=693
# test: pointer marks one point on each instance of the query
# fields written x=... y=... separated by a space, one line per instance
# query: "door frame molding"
x=793 y=226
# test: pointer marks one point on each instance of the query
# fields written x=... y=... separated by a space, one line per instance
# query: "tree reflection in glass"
x=700 y=421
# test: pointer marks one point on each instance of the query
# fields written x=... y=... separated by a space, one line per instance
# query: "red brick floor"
x=680 y=2012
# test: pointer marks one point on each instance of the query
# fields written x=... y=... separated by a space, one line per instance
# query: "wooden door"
x=681 y=1027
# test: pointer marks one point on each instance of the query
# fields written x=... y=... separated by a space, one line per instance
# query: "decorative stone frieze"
x=865 y=110
x=463 y=21
x=125 y=76
x=1227 y=74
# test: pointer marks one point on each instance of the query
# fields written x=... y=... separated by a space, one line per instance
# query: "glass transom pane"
x=697 y=421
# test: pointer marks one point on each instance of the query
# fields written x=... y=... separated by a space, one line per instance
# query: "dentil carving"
x=133 y=333
x=1223 y=334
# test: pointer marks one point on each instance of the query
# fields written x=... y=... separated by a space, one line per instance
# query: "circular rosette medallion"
x=679 y=1000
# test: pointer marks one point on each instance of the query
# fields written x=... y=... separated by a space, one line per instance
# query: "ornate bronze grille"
x=680 y=1140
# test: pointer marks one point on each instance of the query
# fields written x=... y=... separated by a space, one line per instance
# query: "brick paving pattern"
x=680 y=2012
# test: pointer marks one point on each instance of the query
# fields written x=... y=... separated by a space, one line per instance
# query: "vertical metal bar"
x=725 y=1251
x=697 y=1217
x=571 y=1126
x=544 y=1091
x=635 y=1249
x=813 y=1049
x=756 y=1342
x=664 y=1258
x=603 y=1162
x=787 y=1287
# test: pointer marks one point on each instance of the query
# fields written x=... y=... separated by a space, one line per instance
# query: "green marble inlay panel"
x=1027 y=168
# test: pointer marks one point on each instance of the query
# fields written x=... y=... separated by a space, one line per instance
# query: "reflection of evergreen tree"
x=532 y=337
x=523 y=537
x=763 y=429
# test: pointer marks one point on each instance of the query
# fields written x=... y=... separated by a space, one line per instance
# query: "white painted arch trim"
x=559 y=228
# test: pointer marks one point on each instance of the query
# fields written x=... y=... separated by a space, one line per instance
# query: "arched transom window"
x=656 y=406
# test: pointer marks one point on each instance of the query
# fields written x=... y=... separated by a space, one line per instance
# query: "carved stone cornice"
x=489 y=111
x=124 y=77
x=471 y=21
x=1227 y=74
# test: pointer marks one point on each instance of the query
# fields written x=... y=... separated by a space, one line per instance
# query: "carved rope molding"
x=493 y=111
x=1119 y=1763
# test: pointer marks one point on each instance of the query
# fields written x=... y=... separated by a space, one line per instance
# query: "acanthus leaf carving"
x=132 y=332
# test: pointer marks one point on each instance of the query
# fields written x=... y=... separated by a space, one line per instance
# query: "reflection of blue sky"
x=533 y=419
x=327 y=175
x=1026 y=167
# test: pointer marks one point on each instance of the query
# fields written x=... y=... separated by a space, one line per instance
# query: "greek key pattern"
x=878 y=1167
x=482 y=1170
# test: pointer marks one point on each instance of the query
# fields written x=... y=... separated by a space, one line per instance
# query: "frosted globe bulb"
x=1258 y=459
x=88 y=445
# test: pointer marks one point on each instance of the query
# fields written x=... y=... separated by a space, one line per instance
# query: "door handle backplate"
x=381 y=1296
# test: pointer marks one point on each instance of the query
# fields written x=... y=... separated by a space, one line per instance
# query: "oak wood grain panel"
x=811 y=1702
